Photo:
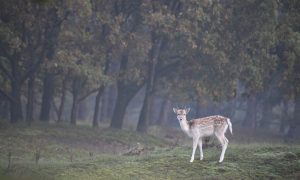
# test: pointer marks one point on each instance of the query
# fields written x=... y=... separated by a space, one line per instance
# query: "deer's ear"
x=175 y=110
x=187 y=110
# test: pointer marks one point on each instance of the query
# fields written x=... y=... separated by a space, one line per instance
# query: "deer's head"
x=181 y=113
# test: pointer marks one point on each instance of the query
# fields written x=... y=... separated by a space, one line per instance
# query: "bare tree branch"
x=32 y=70
x=88 y=94
x=5 y=71
x=6 y=95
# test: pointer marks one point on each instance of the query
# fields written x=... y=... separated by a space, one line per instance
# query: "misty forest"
x=88 y=88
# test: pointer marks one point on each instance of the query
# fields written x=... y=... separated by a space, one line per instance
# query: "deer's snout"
x=180 y=118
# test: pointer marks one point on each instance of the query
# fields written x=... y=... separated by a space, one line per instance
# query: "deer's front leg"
x=195 y=142
x=200 y=148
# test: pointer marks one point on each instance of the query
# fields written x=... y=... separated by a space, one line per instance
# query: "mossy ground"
x=86 y=153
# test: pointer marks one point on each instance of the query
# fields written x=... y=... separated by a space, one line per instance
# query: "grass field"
x=62 y=152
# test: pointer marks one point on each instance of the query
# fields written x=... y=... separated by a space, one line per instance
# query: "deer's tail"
x=230 y=125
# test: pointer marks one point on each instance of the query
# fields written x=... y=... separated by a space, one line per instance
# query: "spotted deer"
x=203 y=127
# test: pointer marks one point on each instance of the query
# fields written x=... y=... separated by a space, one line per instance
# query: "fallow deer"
x=203 y=127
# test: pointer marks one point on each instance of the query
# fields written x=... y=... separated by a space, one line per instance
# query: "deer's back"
x=214 y=121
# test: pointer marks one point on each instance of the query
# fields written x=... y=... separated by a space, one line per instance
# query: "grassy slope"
x=160 y=161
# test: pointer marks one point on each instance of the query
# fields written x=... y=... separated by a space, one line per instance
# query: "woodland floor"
x=65 y=152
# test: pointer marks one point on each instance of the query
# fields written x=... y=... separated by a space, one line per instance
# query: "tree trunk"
x=153 y=57
x=266 y=115
x=5 y=109
x=105 y=105
x=30 y=99
x=74 y=110
x=99 y=94
x=164 y=112
x=284 y=117
x=294 y=122
x=125 y=94
x=143 y=121
x=108 y=103
x=119 y=112
x=76 y=87
x=251 y=113
x=97 y=108
x=48 y=91
x=62 y=101
x=152 y=115
x=82 y=110
x=16 y=105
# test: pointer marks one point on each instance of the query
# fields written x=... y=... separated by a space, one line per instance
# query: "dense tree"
x=133 y=53
x=28 y=32
x=288 y=51
x=159 y=22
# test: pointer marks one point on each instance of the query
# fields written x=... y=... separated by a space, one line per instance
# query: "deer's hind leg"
x=224 y=142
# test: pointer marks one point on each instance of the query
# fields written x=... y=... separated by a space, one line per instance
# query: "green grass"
x=159 y=161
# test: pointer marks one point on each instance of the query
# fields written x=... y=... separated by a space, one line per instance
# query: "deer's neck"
x=185 y=127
